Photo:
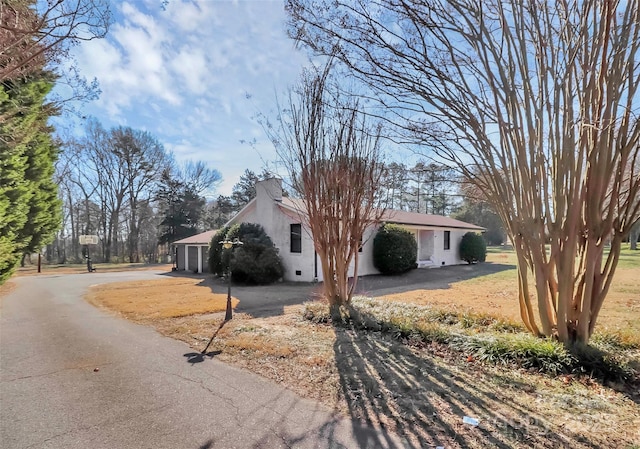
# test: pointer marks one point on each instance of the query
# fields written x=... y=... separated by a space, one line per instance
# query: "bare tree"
x=333 y=158
x=201 y=179
x=117 y=170
x=539 y=98
x=142 y=160
x=33 y=34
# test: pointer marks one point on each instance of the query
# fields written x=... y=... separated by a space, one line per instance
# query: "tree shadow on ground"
x=388 y=386
x=263 y=301
x=259 y=301
x=425 y=278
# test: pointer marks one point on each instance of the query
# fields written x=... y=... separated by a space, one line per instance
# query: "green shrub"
x=600 y=364
x=256 y=266
x=394 y=250
x=473 y=248
x=255 y=262
x=216 y=263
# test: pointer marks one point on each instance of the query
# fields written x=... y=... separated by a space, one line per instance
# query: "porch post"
x=199 y=259
x=186 y=257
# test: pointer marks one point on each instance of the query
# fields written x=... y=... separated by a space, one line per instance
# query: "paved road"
x=144 y=393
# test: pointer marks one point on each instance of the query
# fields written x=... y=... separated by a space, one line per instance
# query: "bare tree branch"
x=536 y=102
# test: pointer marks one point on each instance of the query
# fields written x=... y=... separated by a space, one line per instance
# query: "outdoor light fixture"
x=230 y=245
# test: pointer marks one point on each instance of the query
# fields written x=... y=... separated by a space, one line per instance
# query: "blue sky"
x=184 y=74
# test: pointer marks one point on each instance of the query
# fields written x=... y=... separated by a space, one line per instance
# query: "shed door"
x=193 y=259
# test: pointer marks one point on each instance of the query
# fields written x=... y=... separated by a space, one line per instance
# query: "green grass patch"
x=628 y=258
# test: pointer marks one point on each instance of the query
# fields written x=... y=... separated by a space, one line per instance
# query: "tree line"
x=123 y=186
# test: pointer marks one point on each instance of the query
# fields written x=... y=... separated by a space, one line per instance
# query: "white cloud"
x=183 y=73
x=191 y=65
x=190 y=16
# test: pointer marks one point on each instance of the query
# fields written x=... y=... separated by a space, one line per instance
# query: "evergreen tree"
x=482 y=214
x=29 y=204
x=181 y=209
x=245 y=189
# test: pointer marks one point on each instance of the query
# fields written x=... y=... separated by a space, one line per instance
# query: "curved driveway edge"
x=73 y=376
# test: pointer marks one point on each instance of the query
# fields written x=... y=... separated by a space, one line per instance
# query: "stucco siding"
x=451 y=256
x=298 y=266
x=365 y=258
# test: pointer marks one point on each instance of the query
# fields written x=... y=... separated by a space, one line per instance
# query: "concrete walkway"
x=72 y=376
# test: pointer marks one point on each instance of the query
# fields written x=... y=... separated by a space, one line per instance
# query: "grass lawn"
x=166 y=298
x=498 y=293
x=419 y=388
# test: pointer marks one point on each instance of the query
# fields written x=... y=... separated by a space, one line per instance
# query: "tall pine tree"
x=29 y=204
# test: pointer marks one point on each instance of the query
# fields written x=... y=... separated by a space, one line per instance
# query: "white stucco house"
x=282 y=218
x=192 y=253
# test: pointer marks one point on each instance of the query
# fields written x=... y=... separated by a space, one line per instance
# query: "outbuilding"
x=192 y=253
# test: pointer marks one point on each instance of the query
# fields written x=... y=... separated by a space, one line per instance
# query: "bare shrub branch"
x=332 y=154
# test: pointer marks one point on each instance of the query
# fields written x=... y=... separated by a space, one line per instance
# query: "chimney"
x=269 y=190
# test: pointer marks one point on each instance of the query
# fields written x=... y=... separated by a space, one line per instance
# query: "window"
x=447 y=239
x=296 y=238
x=360 y=245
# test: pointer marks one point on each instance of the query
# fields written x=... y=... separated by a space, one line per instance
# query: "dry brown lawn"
x=422 y=393
x=166 y=298
x=497 y=294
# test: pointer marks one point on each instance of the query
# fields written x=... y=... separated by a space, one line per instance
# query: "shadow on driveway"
x=271 y=300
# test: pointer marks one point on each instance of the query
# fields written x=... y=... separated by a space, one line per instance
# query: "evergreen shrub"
x=473 y=248
x=394 y=250
x=255 y=262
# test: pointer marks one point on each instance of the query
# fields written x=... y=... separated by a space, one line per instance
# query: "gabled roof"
x=203 y=238
x=296 y=207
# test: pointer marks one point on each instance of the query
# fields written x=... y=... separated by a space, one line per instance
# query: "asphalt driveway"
x=73 y=376
x=270 y=300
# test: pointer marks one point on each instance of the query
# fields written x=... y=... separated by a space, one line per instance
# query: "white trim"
x=199 y=259
x=186 y=257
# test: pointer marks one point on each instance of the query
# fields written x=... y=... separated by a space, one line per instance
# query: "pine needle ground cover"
x=419 y=361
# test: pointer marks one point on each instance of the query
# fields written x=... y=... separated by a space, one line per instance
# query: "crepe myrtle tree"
x=332 y=154
x=538 y=100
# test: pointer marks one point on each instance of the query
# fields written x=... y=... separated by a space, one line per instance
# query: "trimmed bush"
x=394 y=250
x=217 y=265
x=255 y=262
x=473 y=248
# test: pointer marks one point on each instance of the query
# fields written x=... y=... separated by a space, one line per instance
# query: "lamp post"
x=229 y=245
